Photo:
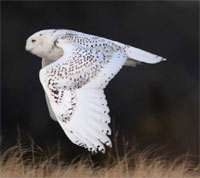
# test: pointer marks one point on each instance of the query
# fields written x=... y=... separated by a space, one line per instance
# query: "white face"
x=42 y=44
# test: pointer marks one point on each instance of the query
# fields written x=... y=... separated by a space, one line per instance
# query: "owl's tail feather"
x=142 y=56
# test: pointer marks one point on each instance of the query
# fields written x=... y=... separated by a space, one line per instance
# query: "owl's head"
x=42 y=44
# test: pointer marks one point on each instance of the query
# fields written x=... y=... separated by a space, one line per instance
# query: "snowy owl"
x=76 y=67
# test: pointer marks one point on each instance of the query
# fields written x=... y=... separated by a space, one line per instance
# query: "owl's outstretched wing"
x=74 y=86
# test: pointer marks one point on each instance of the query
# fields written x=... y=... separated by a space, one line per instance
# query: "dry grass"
x=22 y=162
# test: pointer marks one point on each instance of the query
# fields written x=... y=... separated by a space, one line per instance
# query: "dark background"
x=150 y=104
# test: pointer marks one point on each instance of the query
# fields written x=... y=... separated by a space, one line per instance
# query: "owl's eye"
x=33 y=41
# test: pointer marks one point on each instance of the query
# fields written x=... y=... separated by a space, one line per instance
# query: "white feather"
x=108 y=72
x=52 y=114
x=143 y=56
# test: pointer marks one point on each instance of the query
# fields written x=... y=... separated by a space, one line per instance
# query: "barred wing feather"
x=74 y=87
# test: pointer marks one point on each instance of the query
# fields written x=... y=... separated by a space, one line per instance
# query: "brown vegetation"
x=22 y=162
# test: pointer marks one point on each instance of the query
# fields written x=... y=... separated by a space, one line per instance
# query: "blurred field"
x=19 y=161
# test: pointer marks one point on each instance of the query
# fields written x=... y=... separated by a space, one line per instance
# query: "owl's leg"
x=131 y=62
